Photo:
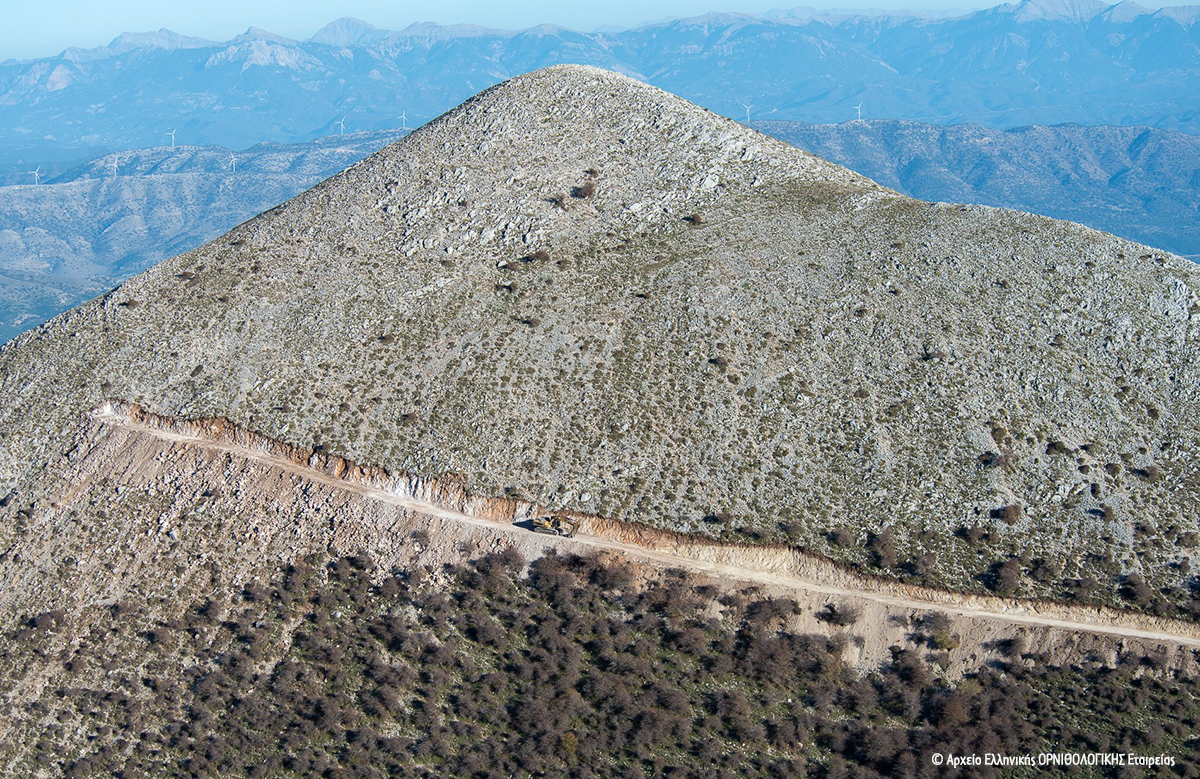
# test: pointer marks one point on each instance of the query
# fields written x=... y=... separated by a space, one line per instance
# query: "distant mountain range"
x=1137 y=182
x=1036 y=62
x=96 y=225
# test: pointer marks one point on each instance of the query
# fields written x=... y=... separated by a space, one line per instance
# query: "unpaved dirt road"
x=1016 y=612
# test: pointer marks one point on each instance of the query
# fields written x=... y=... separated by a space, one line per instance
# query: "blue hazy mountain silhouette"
x=1035 y=62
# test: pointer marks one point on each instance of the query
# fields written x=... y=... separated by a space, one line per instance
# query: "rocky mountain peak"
x=347 y=31
x=1123 y=12
x=1055 y=10
x=579 y=289
x=566 y=139
x=259 y=34
x=126 y=42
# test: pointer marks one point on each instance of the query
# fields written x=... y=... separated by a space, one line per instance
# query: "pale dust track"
x=944 y=603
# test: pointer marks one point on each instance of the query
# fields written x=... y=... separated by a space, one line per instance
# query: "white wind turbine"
x=37 y=175
x=404 y=120
x=172 y=134
x=113 y=164
x=747 y=107
x=341 y=123
x=232 y=163
x=859 y=109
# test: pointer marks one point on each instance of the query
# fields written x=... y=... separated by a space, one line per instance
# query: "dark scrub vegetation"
x=568 y=667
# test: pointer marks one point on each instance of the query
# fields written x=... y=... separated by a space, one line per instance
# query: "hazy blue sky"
x=37 y=29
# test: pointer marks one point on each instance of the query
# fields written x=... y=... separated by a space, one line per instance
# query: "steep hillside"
x=89 y=229
x=189 y=599
x=582 y=290
x=578 y=668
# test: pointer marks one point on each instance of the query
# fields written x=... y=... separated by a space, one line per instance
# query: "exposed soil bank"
x=887 y=607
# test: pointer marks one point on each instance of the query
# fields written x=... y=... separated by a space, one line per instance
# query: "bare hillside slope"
x=579 y=289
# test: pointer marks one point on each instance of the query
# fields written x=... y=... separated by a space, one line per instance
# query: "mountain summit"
x=347 y=31
x=585 y=291
x=1055 y=10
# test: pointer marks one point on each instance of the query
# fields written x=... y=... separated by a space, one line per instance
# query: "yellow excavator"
x=556 y=525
